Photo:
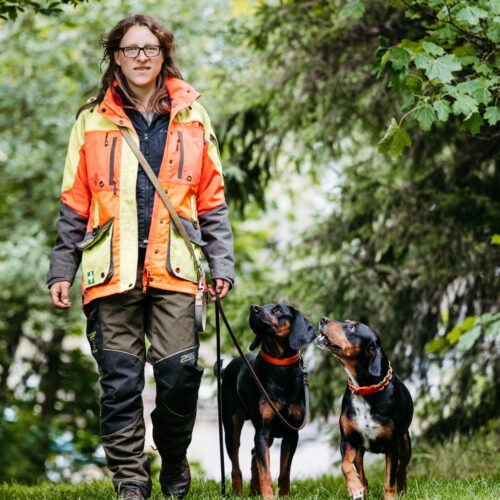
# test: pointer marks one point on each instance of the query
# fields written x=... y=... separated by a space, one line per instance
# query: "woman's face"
x=140 y=71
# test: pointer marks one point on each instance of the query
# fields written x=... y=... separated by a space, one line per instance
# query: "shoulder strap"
x=163 y=195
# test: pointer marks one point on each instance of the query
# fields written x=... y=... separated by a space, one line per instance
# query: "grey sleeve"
x=66 y=256
x=219 y=248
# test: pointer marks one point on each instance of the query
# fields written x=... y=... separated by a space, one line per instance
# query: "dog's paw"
x=358 y=495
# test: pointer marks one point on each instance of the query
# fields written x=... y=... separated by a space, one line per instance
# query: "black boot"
x=175 y=477
x=130 y=492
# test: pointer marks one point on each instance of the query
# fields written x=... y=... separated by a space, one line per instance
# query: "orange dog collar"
x=280 y=361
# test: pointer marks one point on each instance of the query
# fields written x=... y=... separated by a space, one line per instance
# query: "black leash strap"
x=305 y=376
x=219 y=405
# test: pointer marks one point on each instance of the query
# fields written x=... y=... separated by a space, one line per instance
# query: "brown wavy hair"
x=111 y=41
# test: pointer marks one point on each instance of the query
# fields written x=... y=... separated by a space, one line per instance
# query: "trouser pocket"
x=178 y=379
x=94 y=332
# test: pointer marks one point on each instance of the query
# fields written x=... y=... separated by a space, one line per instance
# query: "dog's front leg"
x=262 y=459
x=354 y=485
x=232 y=429
x=404 y=460
x=288 y=447
x=391 y=468
x=358 y=462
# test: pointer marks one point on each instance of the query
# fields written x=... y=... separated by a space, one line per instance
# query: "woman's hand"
x=59 y=295
x=221 y=285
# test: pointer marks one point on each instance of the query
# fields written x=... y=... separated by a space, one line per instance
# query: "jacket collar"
x=181 y=93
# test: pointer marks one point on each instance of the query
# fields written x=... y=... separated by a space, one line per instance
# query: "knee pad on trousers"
x=122 y=382
x=178 y=379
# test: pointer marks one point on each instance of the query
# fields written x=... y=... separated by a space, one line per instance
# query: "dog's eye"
x=277 y=311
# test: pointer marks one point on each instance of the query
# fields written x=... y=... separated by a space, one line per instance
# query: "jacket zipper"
x=112 y=164
x=181 y=156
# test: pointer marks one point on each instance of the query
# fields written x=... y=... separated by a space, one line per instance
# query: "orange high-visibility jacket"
x=98 y=221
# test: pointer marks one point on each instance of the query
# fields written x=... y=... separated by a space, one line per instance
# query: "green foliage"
x=454 y=62
x=353 y=9
x=465 y=335
x=10 y=9
x=394 y=140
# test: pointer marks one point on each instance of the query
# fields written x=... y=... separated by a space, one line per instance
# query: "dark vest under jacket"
x=152 y=138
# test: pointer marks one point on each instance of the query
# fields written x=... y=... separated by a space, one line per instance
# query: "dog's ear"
x=255 y=343
x=375 y=365
x=303 y=333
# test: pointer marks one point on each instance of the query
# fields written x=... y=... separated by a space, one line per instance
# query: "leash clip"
x=305 y=373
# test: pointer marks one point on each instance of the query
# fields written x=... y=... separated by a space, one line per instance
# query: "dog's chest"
x=365 y=424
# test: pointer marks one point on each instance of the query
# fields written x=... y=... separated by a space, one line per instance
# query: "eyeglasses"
x=133 y=52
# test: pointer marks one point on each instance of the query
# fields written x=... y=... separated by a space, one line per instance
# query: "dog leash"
x=305 y=376
x=219 y=402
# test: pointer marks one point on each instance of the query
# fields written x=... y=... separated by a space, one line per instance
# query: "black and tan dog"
x=282 y=331
x=377 y=408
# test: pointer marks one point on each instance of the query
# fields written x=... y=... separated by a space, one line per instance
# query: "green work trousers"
x=117 y=328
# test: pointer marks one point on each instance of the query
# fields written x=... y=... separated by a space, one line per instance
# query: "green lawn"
x=323 y=488
x=466 y=468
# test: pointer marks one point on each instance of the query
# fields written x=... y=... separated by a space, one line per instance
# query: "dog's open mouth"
x=323 y=342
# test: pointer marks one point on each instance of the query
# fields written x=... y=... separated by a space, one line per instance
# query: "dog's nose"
x=324 y=321
x=254 y=308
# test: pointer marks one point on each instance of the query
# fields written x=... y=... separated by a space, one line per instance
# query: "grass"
x=327 y=488
x=466 y=468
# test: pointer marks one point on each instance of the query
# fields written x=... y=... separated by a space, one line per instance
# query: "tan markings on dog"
x=283 y=330
x=358 y=462
x=267 y=412
x=296 y=412
x=390 y=489
x=347 y=425
x=335 y=335
x=350 y=367
x=351 y=476
x=386 y=431
x=265 y=480
x=236 y=477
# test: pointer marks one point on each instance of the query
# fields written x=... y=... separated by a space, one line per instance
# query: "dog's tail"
x=218 y=369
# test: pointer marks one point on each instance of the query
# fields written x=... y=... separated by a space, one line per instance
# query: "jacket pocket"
x=97 y=255
x=179 y=259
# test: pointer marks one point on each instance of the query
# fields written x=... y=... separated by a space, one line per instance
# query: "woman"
x=138 y=275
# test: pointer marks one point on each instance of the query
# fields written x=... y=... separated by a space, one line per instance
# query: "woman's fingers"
x=220 y=285
x=59 y=295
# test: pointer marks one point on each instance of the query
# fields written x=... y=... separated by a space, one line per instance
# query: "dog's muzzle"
x=322 y=342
